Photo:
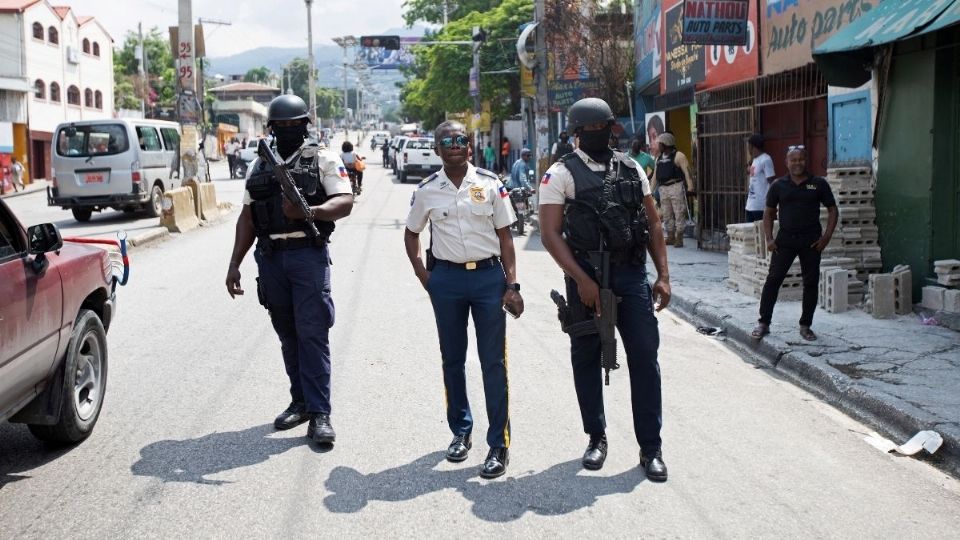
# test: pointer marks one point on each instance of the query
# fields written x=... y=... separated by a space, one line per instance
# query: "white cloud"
x=254 y=23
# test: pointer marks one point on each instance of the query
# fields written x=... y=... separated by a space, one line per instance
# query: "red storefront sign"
x=731 y=64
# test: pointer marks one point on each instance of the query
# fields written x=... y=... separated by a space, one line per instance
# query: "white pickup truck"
x=417 y=158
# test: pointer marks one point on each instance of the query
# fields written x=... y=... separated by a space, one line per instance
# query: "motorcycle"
x=241 y=168
x=354 y=186
x=520 y=198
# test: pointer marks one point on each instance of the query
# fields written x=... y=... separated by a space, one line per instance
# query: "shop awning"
x=844 y=59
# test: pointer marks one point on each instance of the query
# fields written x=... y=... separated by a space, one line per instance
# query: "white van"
x=125 y=164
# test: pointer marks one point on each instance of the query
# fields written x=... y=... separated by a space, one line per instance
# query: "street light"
x=311 y=83
x=344 y=42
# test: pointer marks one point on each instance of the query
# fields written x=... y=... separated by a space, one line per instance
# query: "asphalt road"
x=185 y=447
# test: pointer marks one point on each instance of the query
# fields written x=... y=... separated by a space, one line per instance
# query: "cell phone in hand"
x=507 y=308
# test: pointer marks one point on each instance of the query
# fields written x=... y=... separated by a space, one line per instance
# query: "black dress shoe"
x=496 y=463
x=654 y=466
x=458 y=449
x=320 y=430
x=295 y=415
x=596 y=453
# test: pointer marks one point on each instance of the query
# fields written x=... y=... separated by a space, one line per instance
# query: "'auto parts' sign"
x=793 y=28
x=715 y=22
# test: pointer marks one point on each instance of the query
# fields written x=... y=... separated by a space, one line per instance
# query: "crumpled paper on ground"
x=923 y=440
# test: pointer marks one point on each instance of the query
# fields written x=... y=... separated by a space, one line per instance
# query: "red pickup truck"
x=56 y=303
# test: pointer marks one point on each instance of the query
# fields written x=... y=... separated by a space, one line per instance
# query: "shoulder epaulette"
x=488 y=174
x=427 y=180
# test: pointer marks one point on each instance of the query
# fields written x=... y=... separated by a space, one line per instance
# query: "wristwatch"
x=514 y=286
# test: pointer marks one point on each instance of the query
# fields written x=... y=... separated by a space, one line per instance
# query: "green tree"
x=439 y=83
x=258 y=75
x=161 y=88
x=431 y=11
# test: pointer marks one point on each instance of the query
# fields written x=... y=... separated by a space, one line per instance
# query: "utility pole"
x=542 y=108
x=187 y=104
x=311 y=82
x=144 y=73
x=344 y=42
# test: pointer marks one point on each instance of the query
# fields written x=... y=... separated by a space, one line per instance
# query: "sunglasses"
x=459 y=140
x=796 y=147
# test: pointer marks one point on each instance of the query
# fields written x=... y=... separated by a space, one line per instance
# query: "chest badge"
x=478 y=194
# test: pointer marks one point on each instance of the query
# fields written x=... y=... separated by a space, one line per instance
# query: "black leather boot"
x=496 y=463
x=596 y=453
x=320 y=430
x=654 y=466
x=459 y=448
x=295 y=415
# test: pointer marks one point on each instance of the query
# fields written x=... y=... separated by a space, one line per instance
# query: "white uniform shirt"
x=463 y=221
x=333 y=178
x=557 y=183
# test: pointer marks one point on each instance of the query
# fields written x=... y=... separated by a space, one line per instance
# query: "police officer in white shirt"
x=471 y=268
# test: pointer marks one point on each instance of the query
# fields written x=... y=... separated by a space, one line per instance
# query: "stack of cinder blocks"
x=942 y=298
x=856 y=235
x=748 y=262
x=948 y=272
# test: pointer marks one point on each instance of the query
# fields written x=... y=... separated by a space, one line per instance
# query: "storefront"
x=912 y=48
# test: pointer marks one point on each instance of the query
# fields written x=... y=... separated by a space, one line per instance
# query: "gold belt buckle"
x=470 y=265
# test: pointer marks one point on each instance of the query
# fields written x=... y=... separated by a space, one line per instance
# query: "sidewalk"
x=33 y=187
x=896 y=375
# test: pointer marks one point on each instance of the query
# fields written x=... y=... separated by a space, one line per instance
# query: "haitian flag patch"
x=503 y=191
x=546 y=179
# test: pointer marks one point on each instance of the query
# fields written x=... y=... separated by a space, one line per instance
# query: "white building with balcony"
x=65 y=61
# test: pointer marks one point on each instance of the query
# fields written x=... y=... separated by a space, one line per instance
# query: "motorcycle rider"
x=518 y=174
x=350 y=158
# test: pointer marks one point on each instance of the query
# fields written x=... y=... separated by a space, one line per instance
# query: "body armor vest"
x=667 y=170
x=607 y=210
x=267 y=194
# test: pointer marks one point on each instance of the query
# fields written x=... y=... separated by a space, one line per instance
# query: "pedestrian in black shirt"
x=796 y=197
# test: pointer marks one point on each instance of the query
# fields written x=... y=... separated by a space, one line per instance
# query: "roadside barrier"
x=205 y=199
x=179 y=210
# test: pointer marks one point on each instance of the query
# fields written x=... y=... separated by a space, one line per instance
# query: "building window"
x=86 y=45
x=96 y=49
x=38 y=31
x=54 y=92
x=53 y=36
x=98 y=100
x=73 y=95
x=88 y=98
x=39 y=90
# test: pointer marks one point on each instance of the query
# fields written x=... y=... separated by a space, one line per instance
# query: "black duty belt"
x=472 y=265
x=671 y=182
x=283 y=244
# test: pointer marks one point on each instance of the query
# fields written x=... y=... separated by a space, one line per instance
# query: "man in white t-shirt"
x=761 y=176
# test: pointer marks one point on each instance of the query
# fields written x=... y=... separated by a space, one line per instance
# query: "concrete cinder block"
x=951 y=301
x=933 y=297
x=880 y=288
x=836 y=290
x=903 y=290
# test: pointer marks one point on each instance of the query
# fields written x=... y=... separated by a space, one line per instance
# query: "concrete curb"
x=40 y=185
x=151 y=236
x=889 y=415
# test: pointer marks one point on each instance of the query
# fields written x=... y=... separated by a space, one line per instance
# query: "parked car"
x=58 y=302
x=418 y=159
x=124 y=164
x=395 y=145
x=378 y=137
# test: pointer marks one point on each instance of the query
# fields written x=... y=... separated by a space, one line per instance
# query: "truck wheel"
x=402 y=175
x=155 y=206
x=82 y=214
x=84 y=383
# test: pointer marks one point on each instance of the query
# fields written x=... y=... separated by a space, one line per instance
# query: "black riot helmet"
x=287 y=107
x=588 y=111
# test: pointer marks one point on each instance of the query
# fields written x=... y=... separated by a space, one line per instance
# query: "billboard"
x=646 y=39
x=683 y=65
x=382 y=58
x=715 y=22
x=728 y=64
x=792 y=29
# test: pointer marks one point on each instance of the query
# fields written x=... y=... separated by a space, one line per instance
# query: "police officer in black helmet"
x=294 y=267
x=596 y=197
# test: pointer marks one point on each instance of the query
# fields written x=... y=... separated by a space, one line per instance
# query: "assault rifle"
x=576 y=321
x=288 y=184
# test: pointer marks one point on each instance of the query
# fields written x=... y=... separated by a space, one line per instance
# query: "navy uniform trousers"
x=455 y=294
x=295 y=288
x=640 y=335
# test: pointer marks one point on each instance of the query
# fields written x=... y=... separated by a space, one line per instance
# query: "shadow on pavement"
x=192 y=460
x=21 y=452
x=559 y=490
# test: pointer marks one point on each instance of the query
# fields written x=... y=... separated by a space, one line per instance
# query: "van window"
x=149 y=140
x=171 y=139
x=92 y=140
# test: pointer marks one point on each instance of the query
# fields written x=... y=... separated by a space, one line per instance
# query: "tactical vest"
x=267 y=194
x=667 y=170
x=607 y=210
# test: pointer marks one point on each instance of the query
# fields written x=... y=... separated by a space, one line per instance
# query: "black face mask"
x=289 y=138
x=596 y=144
